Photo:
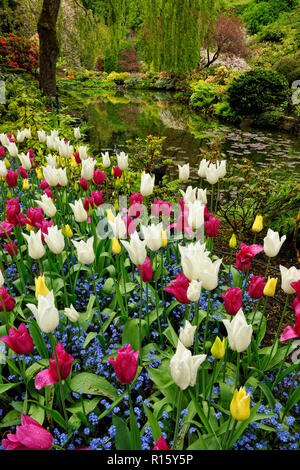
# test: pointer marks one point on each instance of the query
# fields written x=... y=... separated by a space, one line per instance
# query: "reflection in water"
x=115 y=117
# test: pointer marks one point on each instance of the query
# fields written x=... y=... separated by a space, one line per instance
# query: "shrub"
x=204 y=95
x=289 y=67
x=258 y=90
x=163 y=83
x=133 y=82
x=118 y=78
x=128 y=61
x=263 y=13
x=19 y=53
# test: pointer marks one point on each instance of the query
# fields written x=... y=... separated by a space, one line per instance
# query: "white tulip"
x=79 y=211
x=82 y=153
x=118 y=227
x=202 y=168
x=221 y=168
x=1 y=279
x=77 y=133
x=136 y=249
x=152 y=235
x=62 y=176
x=184 y=172
x=87 y=169
x=47 y=205
x=25 y=161
x=186 y=335
x=105 y=160
x=50 y=174
x=42 y=136
x=21 y=136
x=4 y=140
x=12 y=149
x=46 y=314
x=191 y=259
x=3 y=169
x=51 y=160
x=196 y=215
x=147 y=184
x=184 y=366
x=212 y=174
x=273 y=243
x=189 y=196
x=85 y=251
x=201 y=196
x=27 y=132
x=209 y=272
x=239 y=332
x=194 y=291
x=122 y=161
x=35 y=245
x=288 y=276
x=55 y=240
x=72 y=314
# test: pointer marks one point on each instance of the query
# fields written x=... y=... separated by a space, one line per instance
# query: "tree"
x=226 y=36
x=49 y=46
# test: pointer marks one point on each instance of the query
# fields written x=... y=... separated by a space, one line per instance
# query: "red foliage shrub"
x=19 y=53
x=128 y=61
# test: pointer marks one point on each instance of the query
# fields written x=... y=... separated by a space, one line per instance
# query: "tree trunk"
x=49 y=47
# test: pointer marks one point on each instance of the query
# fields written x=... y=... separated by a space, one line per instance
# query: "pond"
x=116 y=116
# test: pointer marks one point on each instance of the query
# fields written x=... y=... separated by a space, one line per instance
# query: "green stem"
x=61 y=391
x=179 y=401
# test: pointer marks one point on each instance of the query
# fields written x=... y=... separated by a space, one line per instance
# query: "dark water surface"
x=115 y=117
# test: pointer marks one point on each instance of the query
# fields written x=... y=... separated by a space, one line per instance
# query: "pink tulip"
x=11 y=248
x=49 y=193
x=245 y=256
x=84 y=184
x=12 y=178
x=290 y=332
x=147 y=271
x=233 y=300
x=44 y=185
x=212 y=226
x=23 y=172
x=207 y=214
x=125 y=364
x=77 y=157
x=296 y=305
x=19 y=340
x=2 y=151
x=136 y=198
x=29 y=436
x=99 y=177
x=161 y=444
x=296 y=286
x=97 y=196
x=50 y=376
x=161 y=208
x=31 y=154
x=5 y=229
x=135 y=210
x=117 y=172
x=179 y=287
x=7 y=300
x=130 y=225
x=13 y=212
x=256 y=287
x=34 y=216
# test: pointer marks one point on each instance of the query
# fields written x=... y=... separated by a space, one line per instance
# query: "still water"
x=115 y=117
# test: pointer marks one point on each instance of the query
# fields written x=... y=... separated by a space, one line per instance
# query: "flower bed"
x=120 y=328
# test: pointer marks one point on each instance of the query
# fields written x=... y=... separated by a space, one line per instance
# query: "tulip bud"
x=72 y=314
x=240 y=405
x=218 y=348
x=40 y=287
x=232 y=242
x=66 y=231
x=194 y=291
x=164 y=238
x=258 y=224
x=187 y=334
x=116 y=247
x=26 y=184
x=39 y=173
x=270 y=287
x=7 y=164
x=110 y=215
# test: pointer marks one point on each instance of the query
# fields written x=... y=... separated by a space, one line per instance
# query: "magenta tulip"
x=29 y=436
x=50 y=376
x=23 y=172
x=11 y=248
x=12 y=178
x=245 y=256
x=19 y=340
x=2 y=151
x=84 y=184
x=233 y=300
x=256 y=287
x=296 y=287
x=5 y=229
x=179 y=287
x=161 y=208
x=212 y=226
x=290 y=332
x=161 y=444
x=147 y=271
x=97 y=196
x=7 y=300
x=125 y=364
x=117 y=172
x=99 y=177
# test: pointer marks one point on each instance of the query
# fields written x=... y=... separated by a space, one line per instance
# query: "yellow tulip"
x=164 y=238
x=7 y=164
x=76 y=187
x=39 y=173
x=110 y=215
x=26 y=184
x=29 y=227
x=40 y=287
x=66 y=231
x=240 y=405
x=73 y=162
x=258 y=224
x=218 y=348
x=116 y=205
x=9 y=194
x=270 y=287
x=232 y=242
x=116 y=247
